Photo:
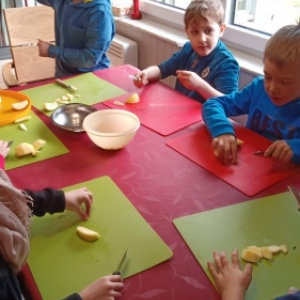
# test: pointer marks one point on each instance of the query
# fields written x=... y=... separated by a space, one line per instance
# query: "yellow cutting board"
x=62 y=263
x=273 y=220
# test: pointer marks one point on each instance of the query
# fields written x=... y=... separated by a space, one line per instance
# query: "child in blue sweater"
x=204 y=67
x=83 y=33
x=272 y=103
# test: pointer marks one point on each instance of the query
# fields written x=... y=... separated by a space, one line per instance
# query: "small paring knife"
x=260 y=153
x=295 y=193
x=9 y=144
x=118 y=271
x=67 y=86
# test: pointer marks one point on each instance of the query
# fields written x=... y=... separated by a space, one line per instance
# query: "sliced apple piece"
x=20 y=105
x=23 y=119
x=87 y=234
x=24 y=149
x=23 y=127
x=50 y=106
x=38 y=144
x=284 y=249
x=239 y=142
x=266 y=253
x=257 y=250
x=274 y=249
x=134 y=98
x=250 y=255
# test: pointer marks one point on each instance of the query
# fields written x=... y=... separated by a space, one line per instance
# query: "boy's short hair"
x=198 y=9
x=283 y=47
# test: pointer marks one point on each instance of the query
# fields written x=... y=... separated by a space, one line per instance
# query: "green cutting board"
x=36 y=129
x=91 y=89
x=62 y=263
x=273 y=220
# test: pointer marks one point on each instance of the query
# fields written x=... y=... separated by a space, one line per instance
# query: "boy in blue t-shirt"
x=204 y=66
x=272 y=103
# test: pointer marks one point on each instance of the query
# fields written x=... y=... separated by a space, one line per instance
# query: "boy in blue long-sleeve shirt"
x=204 y=66
x=84 y=30
x=272 y=103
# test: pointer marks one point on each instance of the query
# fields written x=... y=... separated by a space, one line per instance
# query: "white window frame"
x=239 y=38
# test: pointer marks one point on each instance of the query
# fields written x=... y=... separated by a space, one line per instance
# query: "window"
x=249 y=22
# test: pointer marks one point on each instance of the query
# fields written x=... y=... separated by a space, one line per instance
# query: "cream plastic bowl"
x=111 y=129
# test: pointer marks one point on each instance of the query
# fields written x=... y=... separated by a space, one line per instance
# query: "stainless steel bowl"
x=70 y=116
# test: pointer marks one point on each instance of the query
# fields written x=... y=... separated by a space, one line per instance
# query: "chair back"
x=25 y=25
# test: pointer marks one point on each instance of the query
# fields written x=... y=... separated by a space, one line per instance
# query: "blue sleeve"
x=215 y=111
x=289 y=297
x=170 y=66
x=97 y=37
x=227 y=80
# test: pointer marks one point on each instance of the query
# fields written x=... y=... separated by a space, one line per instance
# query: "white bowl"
x=111 y=129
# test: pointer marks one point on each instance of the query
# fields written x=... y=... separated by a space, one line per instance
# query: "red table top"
x=162 y=184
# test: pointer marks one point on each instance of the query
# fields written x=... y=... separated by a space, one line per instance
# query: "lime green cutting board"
x=36 y=129
x=91 y=90
x=273 y=220
x=63 y=263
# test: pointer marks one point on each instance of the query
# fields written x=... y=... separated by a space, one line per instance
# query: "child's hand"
x=189 y=80
x=75 y=199
x=140 y=79
x=3 y=148
x=280 y=150
x=231 y=281
x=43 y=48
x=104 y=288
x=225 y=148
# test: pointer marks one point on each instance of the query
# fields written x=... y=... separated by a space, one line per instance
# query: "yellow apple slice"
x=50 y=106
x=38 y=144
x=20 y=105
x=87 y=234
x=23 y=119
x=284 y=249
x=24 y=149
x=257 y=250
x=266 y=253
x=23 y=127
x=274 y=249
x=134 y=98
x=250 y=255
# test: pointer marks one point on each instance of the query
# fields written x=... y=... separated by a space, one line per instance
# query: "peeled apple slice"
x=134 y=98
x=50 y=105
x=87 y=234
x=20 y=105
x=24 y=149
x=38 y=144
x=250 y=255
x=239 y=142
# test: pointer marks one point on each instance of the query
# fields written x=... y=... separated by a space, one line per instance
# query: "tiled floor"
x=2 y=63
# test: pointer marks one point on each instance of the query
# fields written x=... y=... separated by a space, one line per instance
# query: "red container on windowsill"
x=136 y=14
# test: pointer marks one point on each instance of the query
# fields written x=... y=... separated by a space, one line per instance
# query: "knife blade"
x=118 y=270
x=295 y=193
x=9 y=144
x=65 y=85
x=261 y=153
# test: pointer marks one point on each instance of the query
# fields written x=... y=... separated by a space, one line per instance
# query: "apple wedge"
x=87 y=234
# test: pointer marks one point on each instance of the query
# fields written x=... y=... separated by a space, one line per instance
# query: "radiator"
x=123 y=51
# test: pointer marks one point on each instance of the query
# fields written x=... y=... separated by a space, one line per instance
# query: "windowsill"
x=247 y=62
